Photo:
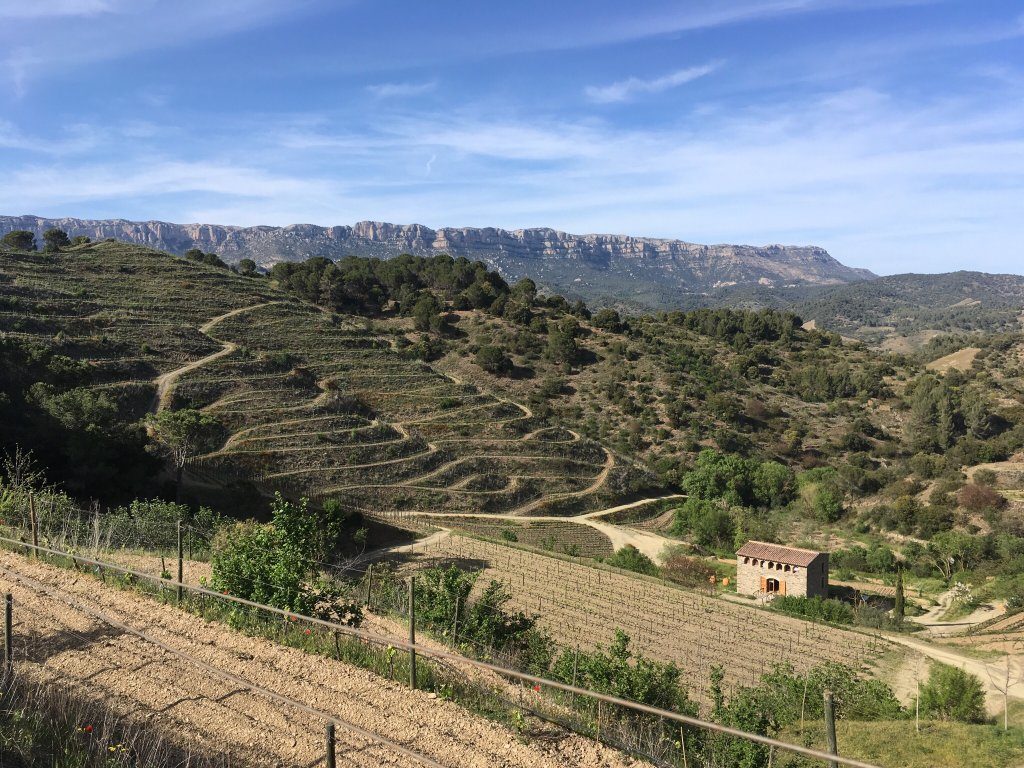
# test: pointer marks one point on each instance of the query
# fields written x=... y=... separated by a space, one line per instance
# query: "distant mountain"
x=895 y=305
x=638 y=271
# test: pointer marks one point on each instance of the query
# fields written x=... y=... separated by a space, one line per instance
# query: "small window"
x=746 y=560
x=786 y=568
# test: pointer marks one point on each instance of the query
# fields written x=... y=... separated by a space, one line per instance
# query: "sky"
x=890 y=132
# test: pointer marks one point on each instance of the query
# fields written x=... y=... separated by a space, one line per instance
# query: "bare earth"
x=960 y=360
x=55 y=640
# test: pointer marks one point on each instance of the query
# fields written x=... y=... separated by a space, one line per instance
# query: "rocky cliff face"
x=596 y=267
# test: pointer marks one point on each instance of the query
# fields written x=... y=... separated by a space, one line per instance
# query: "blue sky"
x=889 y=132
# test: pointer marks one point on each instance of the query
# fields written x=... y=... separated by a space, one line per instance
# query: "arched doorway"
x=771 y=585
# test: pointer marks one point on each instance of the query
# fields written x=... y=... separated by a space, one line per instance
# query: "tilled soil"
x=138 y=679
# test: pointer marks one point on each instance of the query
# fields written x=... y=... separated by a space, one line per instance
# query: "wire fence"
x=491 y=685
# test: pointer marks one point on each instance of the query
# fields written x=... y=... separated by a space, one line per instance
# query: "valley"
x=584 y=477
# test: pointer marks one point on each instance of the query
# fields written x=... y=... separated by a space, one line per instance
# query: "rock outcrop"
x=645 y=269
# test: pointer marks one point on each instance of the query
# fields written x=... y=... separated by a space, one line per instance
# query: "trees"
x=247 y=267
x=608 y=320
x=953 y=694
x=562 y=345
x=899 y=608
x=20 y=240
x=55 y=239
x=951 y=551
x=181 y=435
x=493 y=360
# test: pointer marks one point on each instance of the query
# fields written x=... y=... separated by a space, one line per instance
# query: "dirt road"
x=166 y=381
x=162 y=686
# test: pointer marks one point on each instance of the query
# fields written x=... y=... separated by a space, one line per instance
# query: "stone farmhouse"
x=764 y=569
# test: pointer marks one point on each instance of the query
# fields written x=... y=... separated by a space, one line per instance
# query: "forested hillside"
x=892 y=308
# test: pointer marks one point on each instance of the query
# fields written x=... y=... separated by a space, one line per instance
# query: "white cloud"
x=623 y=90
x=392 y=90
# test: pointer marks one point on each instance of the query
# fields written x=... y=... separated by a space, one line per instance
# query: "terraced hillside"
x=318 y=404
x=129 y=314
x=312 y=402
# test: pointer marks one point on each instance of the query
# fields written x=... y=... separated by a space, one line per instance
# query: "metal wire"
x=452 y=657
x=240 y=681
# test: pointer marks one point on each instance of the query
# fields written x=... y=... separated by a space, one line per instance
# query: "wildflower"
x=536 y=688
x=309 y=631
x=85 y=729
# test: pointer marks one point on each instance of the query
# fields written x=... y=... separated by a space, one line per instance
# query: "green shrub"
x=953 y=694
x=632 y=559
x=814 y=608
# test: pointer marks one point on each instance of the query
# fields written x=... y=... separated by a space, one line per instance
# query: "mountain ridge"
x=586 y=266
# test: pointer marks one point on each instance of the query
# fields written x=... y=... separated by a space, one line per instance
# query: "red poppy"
x=87 y=729
x=308 y=631
x=537 y=688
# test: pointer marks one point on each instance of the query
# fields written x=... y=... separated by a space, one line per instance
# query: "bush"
x=953 y=694
x=632 y=559
x=442 y=605
x=814 y=608
x=706 y=522
x=978 y=498
x=616 y=671
x=278 y=563
x=687 y=571
x=493 y=360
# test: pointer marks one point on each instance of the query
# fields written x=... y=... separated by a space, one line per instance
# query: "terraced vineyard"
x=313 y=403
x=317 y=404
x=568 y=537
x=130 y=314
x=575 y=603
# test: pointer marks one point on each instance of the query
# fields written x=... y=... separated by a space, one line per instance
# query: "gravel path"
x=140 y=679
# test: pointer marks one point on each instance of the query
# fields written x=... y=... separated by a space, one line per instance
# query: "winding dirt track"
x=166 y=381
x=197 y=683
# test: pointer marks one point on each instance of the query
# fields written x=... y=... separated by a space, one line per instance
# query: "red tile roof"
x=777 y=553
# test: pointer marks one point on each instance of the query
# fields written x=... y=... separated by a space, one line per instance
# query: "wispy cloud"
x=399 y=90
x=623 y=90
x=38 y=9
x=78 y=32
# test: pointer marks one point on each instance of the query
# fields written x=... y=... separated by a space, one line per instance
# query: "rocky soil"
x=55 y=640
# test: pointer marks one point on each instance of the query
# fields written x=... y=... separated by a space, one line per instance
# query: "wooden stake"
x=455 y=623
x=803 y=701
x=9 y=634
x=830 y=727
x=412 y=632
x=329 y=733
x=181 y=564
x=369 y=584
x=33 y=523
x=682 y=745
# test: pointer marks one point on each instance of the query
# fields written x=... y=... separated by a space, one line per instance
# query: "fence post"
x=329 y=733
x=33 y=522
x=181 y=564
x=455 y=624
x=412 y=632
x=575 y=666
x=369 y=584
x=830 y=727
x=9 y=634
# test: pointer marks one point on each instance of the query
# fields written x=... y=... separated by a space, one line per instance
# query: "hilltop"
x=649 y=271
x=902 y=311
